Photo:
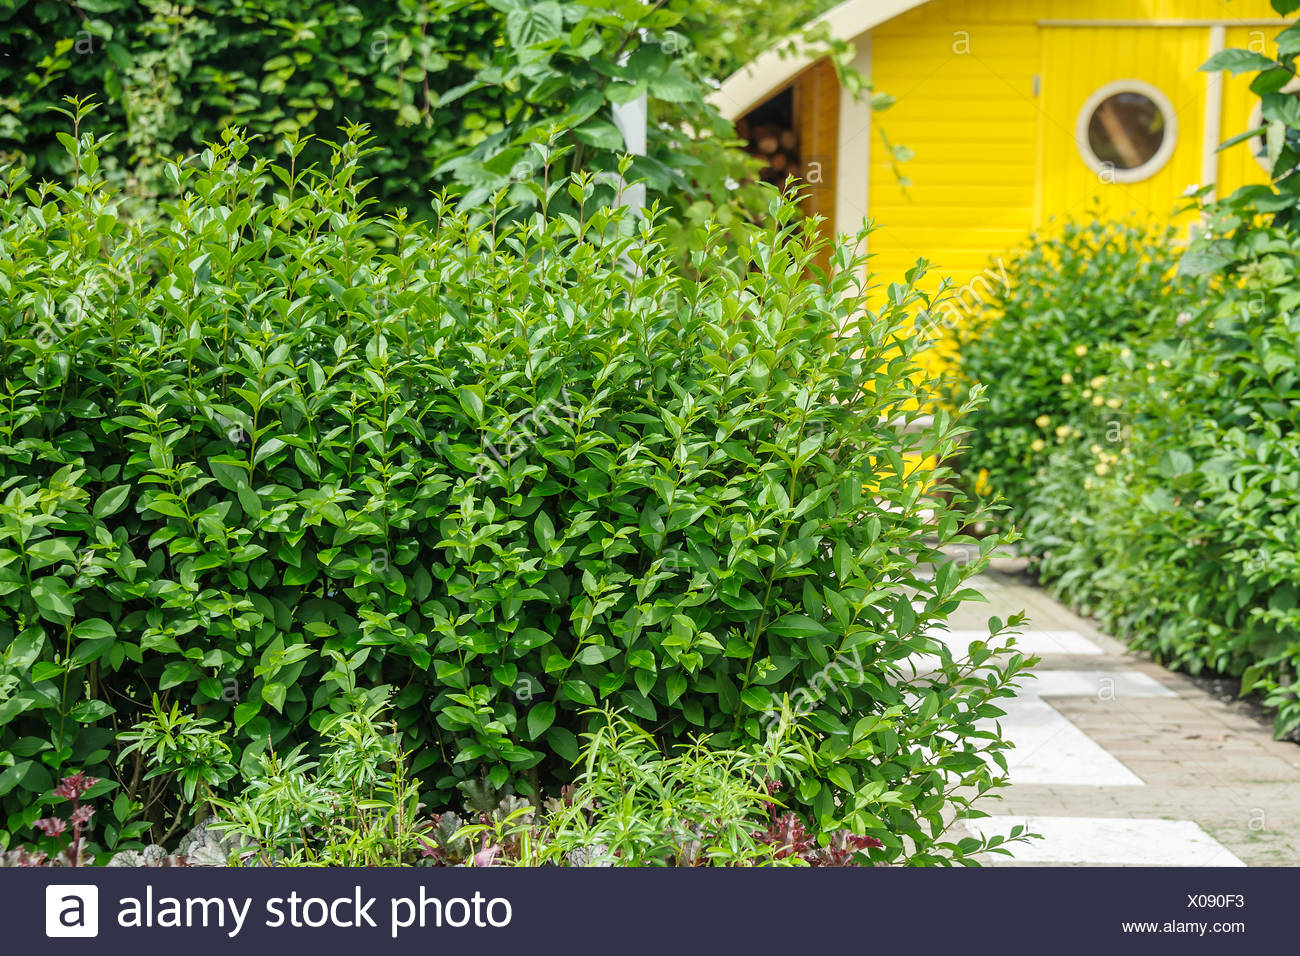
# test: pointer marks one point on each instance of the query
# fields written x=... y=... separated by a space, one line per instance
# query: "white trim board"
x=770 y=71
x=853 y=151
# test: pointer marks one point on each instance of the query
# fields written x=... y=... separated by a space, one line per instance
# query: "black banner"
x=647 y=911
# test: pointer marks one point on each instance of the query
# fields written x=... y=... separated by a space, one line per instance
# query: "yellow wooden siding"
x=992 y=159
x=967 y=112
x=977 y=12
x=1079 y=61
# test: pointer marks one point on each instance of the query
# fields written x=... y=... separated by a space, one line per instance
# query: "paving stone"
x=1213 y=787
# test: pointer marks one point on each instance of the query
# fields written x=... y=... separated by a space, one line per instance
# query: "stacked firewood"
x=776 y=147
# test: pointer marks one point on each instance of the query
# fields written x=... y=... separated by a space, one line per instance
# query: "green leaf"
x=46 y=670
x=25 y=648
x=471 y=400
x=797 y=625
x=528 y=639
x=757 y=698
x=563 y=742
x=92 y=629
x=111 y=501
x=1238 y=61
x=533 y=23
x=595 y=654
x=267 y=449
x=274 y=695
x=600 y=134
x=579 y=692
x=540 y=717
x=1201 y=260
x=177 y=672
x=675 y=686
x=49 y=551
x=53 y=598
x=89 y=711
x=249 y=501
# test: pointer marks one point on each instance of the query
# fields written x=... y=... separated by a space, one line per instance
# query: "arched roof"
x=752 y=84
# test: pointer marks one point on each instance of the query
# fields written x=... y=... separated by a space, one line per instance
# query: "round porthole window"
x=1127 y=131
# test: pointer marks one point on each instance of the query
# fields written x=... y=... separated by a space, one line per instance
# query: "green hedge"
x=269 y=456
x=1142 y=427
x=1045 y=340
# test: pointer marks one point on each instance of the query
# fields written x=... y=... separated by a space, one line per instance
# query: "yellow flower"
x=1101 y=469
x=1038 y=445
x=1063 y=431
x=982 y=483
x=1087 y=393
x=1114 y=403
x=1098 y=400
x=1098 y=382
x=1042 y=421
x=1067 y=379
x=1081 y=350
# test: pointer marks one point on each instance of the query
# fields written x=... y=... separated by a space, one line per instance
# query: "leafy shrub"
x=1194 y=523
x=633 y=805
x=1042 y=346
x=272 y=458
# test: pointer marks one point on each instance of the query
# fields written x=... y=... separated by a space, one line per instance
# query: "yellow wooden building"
x=1016 y=111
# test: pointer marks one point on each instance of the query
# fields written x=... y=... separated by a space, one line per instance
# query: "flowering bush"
x=1043 y=343
x=66 y=829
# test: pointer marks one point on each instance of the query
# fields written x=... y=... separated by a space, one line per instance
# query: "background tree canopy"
x=455 y=91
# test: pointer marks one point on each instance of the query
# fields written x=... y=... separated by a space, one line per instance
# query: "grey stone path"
x=1120 y=761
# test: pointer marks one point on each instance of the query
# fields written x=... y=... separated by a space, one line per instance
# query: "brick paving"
x=1196 y=758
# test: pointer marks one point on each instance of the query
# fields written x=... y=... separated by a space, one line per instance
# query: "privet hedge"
x=269 y=455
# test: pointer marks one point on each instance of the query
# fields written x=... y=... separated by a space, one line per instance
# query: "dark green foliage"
x=454 y=90
x=270 y=457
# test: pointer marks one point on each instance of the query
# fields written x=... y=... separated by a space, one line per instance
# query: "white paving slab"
x=1051 y=750
x=1041 y=643
x=1104 y=684
x=1113 y=842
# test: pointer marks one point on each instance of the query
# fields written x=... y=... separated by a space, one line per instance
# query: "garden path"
x=1122 y=762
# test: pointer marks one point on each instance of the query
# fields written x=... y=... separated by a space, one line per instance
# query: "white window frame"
x=1151 y=166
